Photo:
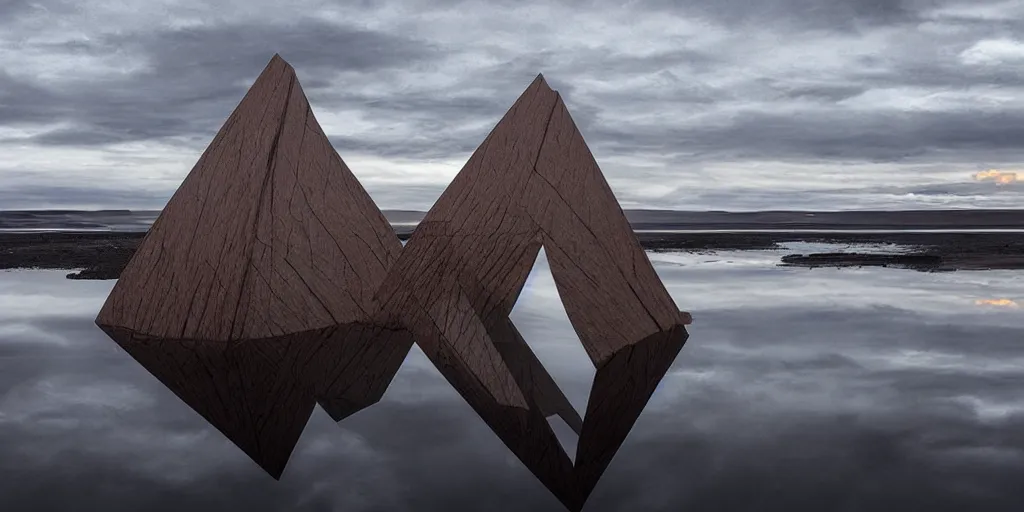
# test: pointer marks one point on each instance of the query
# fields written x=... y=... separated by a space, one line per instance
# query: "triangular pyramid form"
x=269 y=234
x=626 y=319
x=534 y=182
x=254 y=287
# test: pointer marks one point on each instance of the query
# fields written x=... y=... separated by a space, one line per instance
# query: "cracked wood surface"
x=271 y=282
x=251 y=296
x=533 y=182
x=269 y=234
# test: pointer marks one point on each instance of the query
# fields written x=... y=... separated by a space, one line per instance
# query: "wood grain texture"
x=270 y=233
x=271 y=282
x=251 y=296
x=534 y=183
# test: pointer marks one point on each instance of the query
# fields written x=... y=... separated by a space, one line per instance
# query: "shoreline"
x=102 y=255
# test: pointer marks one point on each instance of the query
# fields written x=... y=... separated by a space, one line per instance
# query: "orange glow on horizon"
x=1006 y=303
x=1000 y=177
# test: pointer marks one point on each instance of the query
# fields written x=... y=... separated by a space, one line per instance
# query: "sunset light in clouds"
x=1000 y=177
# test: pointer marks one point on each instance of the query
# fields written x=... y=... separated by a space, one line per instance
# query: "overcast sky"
x=686 y=104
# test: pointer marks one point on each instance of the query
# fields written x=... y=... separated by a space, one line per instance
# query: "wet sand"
x=102 y=255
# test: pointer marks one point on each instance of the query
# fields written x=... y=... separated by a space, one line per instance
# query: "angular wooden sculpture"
x=258 y=278
x=534 y=183
x=252 y=295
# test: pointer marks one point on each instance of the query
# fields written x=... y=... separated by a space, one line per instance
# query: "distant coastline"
x=99 y=243
x=642 y=220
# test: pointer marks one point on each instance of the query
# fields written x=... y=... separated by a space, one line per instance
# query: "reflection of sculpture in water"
x=271 y=282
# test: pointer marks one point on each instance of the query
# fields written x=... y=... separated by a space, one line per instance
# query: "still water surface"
x=817 y=389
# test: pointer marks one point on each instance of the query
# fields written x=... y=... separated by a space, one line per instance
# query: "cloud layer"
x=681 y=101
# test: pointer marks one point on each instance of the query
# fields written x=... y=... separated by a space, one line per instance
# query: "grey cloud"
x=406 y=197
x=438 y=146
x=941 y=74
x=833 y=14
x=196 y=76
x=1015 y=189
x=830 y=14
x=32 y=196
x=830 y=135
x=13 y=9
x=20 y=100
x=729 y=108
x=431 y=121
x=311 y=45
x=830 y=93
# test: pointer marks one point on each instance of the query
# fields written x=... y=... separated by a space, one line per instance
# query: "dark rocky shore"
x=929 y=252
x=102 y=255
x=97 y=255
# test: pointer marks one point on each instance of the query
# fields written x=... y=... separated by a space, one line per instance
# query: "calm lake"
x=831 y=389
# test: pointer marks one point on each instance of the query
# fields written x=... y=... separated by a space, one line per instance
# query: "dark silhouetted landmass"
x=641 y=220
x=102 y=255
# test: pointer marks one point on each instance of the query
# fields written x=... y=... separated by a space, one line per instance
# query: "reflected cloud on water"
x=801 y=388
